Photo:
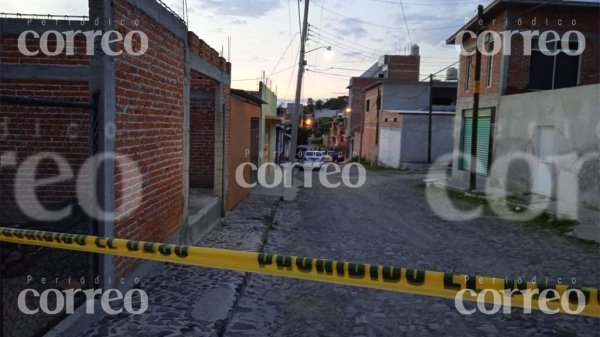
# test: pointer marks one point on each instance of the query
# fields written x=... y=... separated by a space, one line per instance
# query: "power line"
x=328 y=74
x=320 y=23
x=343 y=47
x=294 y=65
x=337 y=68
x=339 y=45
x=283 y=54
x=299 y=18
x=426 y=4
x=439 y=71
x=380 y=26
x=282 y=70
x=405 y=23
x=332 y=35
x=246 y=79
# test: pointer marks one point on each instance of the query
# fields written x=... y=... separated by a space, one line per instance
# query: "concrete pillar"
x=102 y=83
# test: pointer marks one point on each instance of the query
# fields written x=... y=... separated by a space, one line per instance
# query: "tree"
x=336 y=103
x=310 y=107
x=319 y=104
x=322 y=126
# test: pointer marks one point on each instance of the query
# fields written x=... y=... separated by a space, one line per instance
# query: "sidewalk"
x=196 y=301
x=588 y=227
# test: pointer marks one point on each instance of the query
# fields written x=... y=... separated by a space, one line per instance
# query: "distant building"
x=396 y=126
x=268 y=125
x=391 y=67
x=291 y=107
x=326 y=113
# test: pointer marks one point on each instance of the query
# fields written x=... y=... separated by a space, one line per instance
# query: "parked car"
x=334 y=156
x=312 y=160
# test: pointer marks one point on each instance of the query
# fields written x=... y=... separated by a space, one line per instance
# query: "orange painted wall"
x=242 y=111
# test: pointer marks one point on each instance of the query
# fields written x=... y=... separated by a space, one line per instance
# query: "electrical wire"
x=439 y=71
x=339 y=45
x=380 y=26
x=405 y=23
x=327 y=34
x=283 y=54
x=299 y=18
x=426 y=4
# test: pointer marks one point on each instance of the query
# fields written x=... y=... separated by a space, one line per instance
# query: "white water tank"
x=452 y=74
x=414 y=50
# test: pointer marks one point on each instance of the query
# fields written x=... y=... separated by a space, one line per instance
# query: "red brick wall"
x=9 y=53
x=369 y=142
x=357 y=104
x=200 y=48
x=149 y=120
x=497 y=25
x=403 y=67
x=391 y=120
x=586 y=22
x=518 y=64
x=202 y=133
x=29 y=130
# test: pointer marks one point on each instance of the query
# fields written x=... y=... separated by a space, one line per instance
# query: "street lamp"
x=308 y=122
x=326 y=47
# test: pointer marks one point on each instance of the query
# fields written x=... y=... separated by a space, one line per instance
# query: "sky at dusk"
x=265 y=36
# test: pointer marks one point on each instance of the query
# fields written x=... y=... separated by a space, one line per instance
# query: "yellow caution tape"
x=414 y=281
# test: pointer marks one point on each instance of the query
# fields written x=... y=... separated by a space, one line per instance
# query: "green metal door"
x=484 y=133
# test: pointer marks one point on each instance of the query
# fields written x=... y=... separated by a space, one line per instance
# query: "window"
x=553 y=72
x=385 y=120
x=368 y=105
x=395 y=119
x=485 y=122
x=468 y=72
x=490 y=64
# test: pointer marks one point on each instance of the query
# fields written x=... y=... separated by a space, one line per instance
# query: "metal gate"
x=49 y=132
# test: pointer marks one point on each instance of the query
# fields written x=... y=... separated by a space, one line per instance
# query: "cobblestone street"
x=387 y=221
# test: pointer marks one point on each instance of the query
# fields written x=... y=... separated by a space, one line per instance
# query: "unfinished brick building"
x=157 y=122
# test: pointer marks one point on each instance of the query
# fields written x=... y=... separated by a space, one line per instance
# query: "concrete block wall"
x=573 y=112
x=414 y=137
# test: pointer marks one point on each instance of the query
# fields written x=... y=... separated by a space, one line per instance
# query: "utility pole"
x=430 y=118
x=296 y=115
x=476 y=88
